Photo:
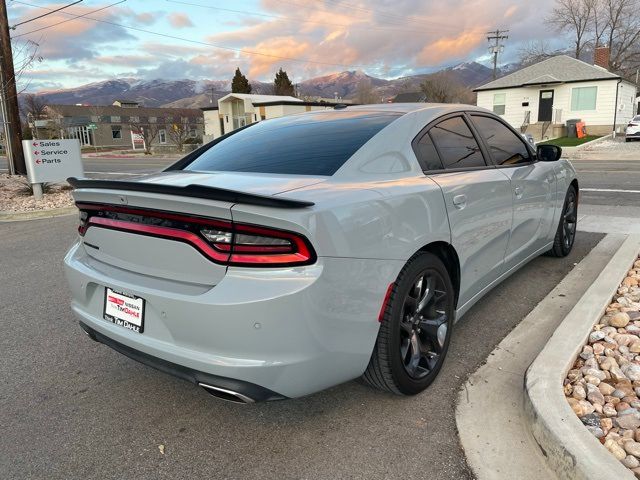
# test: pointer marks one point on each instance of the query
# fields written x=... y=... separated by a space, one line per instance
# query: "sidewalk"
x=490 y=415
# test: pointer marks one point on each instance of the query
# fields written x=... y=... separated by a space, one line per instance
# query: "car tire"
x=416 y=328
x=566 y=233
x=627 y=139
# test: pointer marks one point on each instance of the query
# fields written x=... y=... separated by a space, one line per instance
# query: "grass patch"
x=569 y=142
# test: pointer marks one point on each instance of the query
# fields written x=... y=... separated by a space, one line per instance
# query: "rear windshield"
x=312 y=144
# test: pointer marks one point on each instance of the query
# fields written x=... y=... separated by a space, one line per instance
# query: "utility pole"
x=497 y=47
x=14 y=132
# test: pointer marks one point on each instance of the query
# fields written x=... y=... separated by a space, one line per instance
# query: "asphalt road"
x=73 y=409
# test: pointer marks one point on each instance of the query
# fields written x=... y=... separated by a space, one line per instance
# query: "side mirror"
x=548 y=153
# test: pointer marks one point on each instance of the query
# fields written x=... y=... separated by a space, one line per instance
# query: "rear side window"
x=457 y=145
x=505 y=146
x=427 y=154
x=312 y=144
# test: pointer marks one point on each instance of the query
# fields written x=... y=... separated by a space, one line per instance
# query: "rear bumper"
x=633 y=134
x=277 y=333
x=254 y=392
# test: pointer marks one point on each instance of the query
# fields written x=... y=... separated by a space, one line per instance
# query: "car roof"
x=409 y=107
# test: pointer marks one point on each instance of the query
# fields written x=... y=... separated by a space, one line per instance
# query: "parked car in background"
x=301 y=252
x=633 y=129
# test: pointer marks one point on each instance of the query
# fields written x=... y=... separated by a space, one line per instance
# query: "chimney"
x=601 y=57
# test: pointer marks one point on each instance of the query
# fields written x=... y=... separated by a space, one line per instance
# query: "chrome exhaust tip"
x=226 y=394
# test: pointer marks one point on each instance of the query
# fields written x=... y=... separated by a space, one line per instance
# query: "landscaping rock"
x=603 y=387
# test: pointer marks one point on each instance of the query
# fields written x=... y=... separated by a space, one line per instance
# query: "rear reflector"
x=385 y=302
x=221 y=241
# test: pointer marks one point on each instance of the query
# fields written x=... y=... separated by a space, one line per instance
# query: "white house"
x=236 y=110
x=540 y=98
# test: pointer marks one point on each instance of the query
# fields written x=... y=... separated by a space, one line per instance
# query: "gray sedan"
x=301 y=252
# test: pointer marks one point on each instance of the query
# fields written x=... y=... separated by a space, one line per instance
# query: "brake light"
x=221 y=241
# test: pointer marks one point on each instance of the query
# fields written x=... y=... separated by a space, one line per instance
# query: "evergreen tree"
x=240 y=84
x=282 y=85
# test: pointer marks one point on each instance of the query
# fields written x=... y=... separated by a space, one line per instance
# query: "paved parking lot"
x=74 y=409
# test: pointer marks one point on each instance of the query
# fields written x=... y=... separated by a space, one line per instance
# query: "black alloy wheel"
x=416 y=329
x=566 y=233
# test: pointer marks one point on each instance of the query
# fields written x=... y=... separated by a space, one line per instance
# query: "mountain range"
x=193 y=94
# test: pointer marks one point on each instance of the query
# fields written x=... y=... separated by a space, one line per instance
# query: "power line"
x=175 y=37
x=75 y=17
x=301 y=20
x=497 y=47
x=45 y=14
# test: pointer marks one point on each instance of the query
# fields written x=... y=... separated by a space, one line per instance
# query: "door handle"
x=460 y=201
x=518 y=191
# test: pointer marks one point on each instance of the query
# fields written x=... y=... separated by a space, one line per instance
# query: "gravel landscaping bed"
x=15 y=196
x=603 y=387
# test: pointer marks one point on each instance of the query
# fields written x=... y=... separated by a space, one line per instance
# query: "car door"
x=477 y=197
x=533 y=187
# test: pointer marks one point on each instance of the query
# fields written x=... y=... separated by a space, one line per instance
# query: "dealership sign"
x=52 y=160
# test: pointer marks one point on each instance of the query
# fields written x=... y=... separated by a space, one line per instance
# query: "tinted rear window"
x=313 y=144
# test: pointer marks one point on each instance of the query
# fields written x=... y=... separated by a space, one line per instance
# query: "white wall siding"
x=602 y=115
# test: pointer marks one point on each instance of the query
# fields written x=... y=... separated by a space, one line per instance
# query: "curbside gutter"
x=571 y=451
x=37 y=214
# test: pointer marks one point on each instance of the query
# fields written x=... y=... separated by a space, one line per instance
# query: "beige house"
x=540 y=98
x=118 y=125
x=237 y=110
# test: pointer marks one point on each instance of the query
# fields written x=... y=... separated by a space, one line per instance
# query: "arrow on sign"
x=36 y=152
x=35 y=144
x=38 y=161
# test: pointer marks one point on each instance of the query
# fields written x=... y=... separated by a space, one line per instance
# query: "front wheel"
x=566 y=233
x=416 y=328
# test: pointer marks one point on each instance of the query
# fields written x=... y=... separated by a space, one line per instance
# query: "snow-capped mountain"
x=193 y=94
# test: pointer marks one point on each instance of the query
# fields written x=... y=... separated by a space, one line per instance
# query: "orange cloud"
x=449 y=48
x=510 y=11
x=278 y=47
x=179 y=20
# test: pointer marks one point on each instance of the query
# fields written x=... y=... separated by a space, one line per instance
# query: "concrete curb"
x=36 y=214
x=493 y=428
x=570 y=450
x=570 y=150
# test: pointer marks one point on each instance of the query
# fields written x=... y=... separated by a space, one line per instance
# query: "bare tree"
x=33 y=105
x=178 y=132
x=148 y=132
x=364 y=92
x=534 y=52
x=574 y=16
x=622 y=33
x=441 y=87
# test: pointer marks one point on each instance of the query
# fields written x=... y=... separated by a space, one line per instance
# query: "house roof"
x=559 y=69
x=297 y=103
x=88 y=110
x=260 y=98
x=410 y=97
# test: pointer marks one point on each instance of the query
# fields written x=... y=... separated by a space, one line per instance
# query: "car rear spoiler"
x=194 y=191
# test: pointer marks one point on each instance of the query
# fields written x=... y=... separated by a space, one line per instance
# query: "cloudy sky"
x=207 y=39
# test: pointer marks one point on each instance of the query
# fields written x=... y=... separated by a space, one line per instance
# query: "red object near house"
x=581 y=130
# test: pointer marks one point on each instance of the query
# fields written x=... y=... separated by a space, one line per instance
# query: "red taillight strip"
x=156 y=214
x=241 y=255
x=162 y=232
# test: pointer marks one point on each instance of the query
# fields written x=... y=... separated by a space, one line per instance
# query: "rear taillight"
x=221 y=241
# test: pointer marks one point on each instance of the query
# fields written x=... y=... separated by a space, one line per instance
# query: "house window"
x=162 y=136
x=153 y=119
x=115 y=119
x=134 y=119
x=583 y=98
x=116 y=131
x=193 y=133
x=499 y=102
x=95 y=118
